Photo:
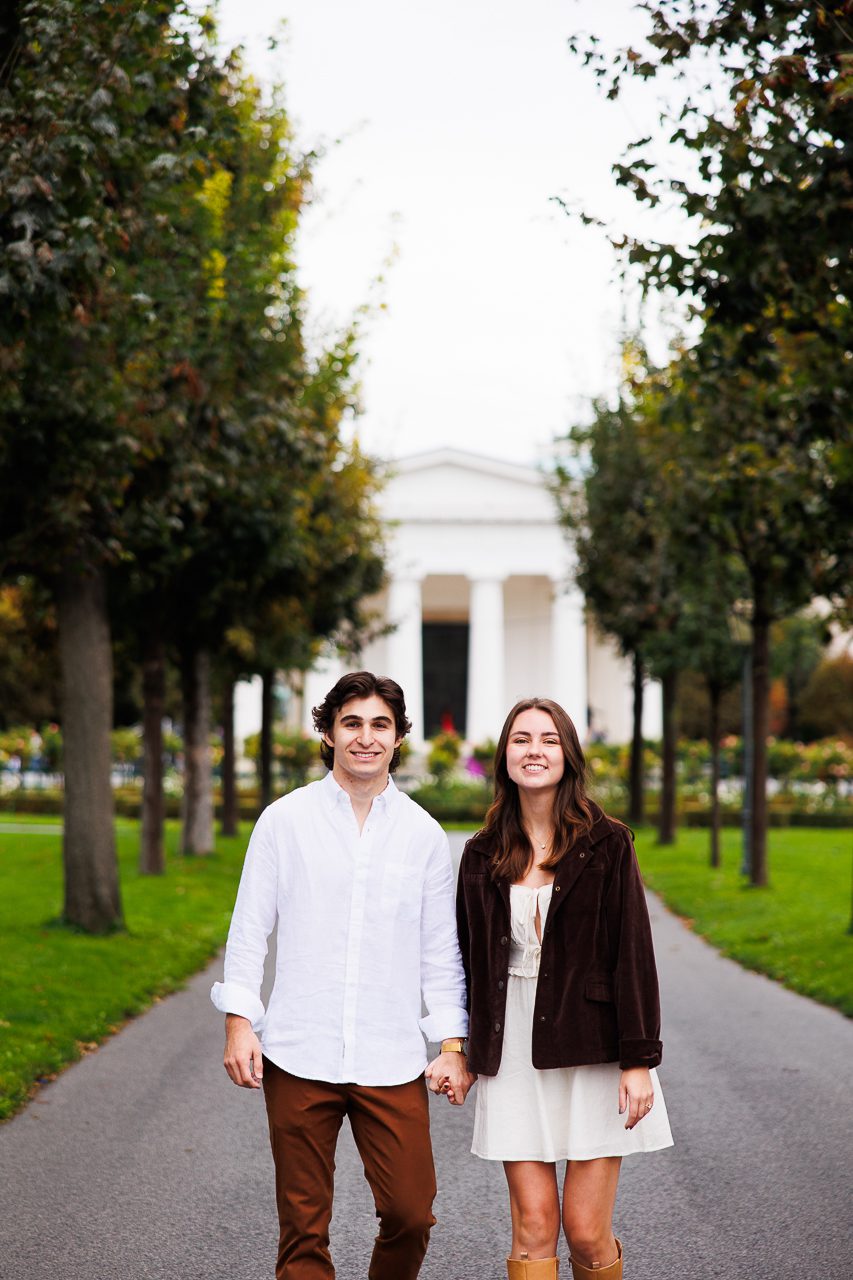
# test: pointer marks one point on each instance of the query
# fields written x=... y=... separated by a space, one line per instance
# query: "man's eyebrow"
x=360 y=719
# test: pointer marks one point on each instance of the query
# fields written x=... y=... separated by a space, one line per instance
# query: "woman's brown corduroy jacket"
x=597 y=990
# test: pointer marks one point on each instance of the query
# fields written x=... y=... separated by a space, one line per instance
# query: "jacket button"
x=557 y=887
x=583 y=855
x=503 y=942
x=544 y=975
x=501 y=985
x=542 y=1018
x=497 y=1026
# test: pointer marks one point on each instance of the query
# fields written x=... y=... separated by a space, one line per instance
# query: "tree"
x=94 y=99
x=712 y=587
x=765 y=386
x=605 y=497
x=767 y=493
x=798 y=645
x=225 y=533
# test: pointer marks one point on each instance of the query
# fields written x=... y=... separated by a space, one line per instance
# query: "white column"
x=486 y=680
x=652 y=710
x=405 y=649
x=568 y=656
x=247 y=709
x=326 y=672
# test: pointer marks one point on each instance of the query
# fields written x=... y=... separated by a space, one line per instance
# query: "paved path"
x=143 y=1161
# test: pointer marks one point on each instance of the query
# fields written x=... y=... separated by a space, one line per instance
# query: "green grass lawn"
x=62 y=991
x=796 y=930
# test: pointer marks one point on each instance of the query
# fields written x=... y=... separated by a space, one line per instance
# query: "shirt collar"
x=335 y=794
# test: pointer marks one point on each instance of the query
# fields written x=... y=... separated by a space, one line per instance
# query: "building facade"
x=481 y=607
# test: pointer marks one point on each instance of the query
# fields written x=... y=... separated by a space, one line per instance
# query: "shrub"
x=295 y=753
x=126 y=746
x=454 y=800
x=444 y=754
x=826 y=705
x=481 y=762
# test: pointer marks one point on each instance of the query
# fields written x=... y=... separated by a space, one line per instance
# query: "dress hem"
x=597 y=1155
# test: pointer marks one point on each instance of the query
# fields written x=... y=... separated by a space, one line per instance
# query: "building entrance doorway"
x=445 y=658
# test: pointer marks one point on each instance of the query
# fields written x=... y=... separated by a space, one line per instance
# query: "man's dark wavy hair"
x=360 y=684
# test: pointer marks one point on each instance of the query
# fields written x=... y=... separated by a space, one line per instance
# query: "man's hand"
x=448 y=1073
x=243 y=1058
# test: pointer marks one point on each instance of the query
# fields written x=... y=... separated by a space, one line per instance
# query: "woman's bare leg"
x=589 y=1197
x=535 y=1207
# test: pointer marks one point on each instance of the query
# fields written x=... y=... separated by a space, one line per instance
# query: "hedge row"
x=445 y=805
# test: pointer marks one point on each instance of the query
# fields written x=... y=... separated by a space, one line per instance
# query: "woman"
x=563 y=995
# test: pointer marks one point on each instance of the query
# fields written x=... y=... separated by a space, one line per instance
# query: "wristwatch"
x=455 y=1045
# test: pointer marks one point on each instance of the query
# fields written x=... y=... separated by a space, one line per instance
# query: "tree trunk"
x=636 y=799
x=267 y=717
x=197 y=835
x=229 y=782
x=760 y=717
x=667 y=822
x=151 y=852
x=92 y=896
x=715 y=695
x=746 y=768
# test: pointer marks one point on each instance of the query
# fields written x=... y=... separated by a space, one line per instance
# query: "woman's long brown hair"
x=572 y=807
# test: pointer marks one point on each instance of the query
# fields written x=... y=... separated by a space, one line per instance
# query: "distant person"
x=359 y=881
x=563 y=998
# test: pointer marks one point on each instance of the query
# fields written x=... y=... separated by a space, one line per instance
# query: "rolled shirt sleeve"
x=251 y=924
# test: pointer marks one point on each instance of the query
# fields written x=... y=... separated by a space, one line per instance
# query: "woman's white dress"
x=564 y=1113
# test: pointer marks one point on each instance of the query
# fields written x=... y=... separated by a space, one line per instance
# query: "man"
x=359 y=880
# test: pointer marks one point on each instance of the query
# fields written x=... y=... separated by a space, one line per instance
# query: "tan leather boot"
x=613 y=1272
x=533 y=1268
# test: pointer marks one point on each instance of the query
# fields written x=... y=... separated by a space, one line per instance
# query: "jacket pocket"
x=599 y=989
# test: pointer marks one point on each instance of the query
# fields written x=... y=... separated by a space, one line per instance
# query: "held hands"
x=449 y=1074
x=243 y=1059
x=636 y=1095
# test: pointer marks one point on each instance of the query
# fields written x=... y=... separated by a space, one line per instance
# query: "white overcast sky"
x=448 y=127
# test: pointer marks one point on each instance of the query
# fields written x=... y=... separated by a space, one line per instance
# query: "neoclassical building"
x=482 y=606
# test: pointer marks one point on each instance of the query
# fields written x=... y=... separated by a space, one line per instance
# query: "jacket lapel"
x=574 y=864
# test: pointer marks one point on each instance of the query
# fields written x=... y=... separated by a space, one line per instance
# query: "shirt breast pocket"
x=400 y=897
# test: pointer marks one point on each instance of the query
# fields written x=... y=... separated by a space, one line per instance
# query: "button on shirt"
x=366 y=931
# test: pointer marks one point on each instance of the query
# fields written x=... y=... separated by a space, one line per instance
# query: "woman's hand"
x=636 y=1095
x=449 y=1074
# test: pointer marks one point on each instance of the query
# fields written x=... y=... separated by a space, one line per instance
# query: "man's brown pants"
x=390 y=1125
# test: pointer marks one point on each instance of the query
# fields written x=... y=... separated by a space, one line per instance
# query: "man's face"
x=363 y=738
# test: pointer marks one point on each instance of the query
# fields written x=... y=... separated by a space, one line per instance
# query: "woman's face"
x=534 y=757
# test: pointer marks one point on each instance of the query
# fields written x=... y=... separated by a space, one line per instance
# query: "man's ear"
x=329 y=741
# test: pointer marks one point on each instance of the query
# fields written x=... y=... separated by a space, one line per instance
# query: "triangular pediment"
x=453 y=485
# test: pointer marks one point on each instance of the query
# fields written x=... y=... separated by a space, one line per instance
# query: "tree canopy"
x=172 y=456
x=756 y=409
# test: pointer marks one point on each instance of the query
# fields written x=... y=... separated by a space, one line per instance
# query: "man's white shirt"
x=366 y=931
